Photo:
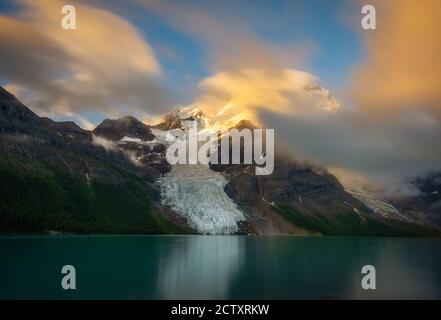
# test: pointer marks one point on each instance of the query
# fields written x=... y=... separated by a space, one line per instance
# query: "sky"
x=145 y=57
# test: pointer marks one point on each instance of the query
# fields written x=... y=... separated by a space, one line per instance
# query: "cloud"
x=111 y=146
x=104 y=64
x=236 y=95
x=387 y=154
x=402 y=70
x=108 y=145
x=375 y=189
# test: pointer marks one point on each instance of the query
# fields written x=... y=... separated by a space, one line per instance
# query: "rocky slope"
x=425 y=205
x=54 y=178
x=301 y=199
x=124 y=127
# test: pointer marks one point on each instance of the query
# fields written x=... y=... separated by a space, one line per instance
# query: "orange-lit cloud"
x=104 y=64
x=100 y=40
x=238 y=95
x=402 y=71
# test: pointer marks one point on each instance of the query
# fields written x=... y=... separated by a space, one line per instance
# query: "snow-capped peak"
x=324 y=97
x=182 y=116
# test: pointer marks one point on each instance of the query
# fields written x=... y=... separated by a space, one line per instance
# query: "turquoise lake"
x=218 y=267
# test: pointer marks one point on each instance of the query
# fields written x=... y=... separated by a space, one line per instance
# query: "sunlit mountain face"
x=356 y=114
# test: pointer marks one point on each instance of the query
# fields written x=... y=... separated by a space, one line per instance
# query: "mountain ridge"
x=39 y=154
x=55 y=179
x=127 y=126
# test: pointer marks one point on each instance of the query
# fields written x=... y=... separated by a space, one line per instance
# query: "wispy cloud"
x=401 y=73
x=104 y=64
x=243 y=94
x=230 y=41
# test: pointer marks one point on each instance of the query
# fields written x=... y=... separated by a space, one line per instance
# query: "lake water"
x=218 y=267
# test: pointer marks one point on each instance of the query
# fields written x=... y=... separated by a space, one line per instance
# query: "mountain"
x=181 y=117
x=425 y=204
x=65 y=127
x=54 y=178
x=59 y=177
x=303 y=199
x=16 y=117
x=13 y=112
x=296 y=199
x=125 y=127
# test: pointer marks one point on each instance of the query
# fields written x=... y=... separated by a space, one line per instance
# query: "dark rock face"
x=426 y=204
x=62 y=144
x=430 y=187
x=64 y=126
x=125 y=127
x=16 y=117
x=291 y=184
x=150 y=158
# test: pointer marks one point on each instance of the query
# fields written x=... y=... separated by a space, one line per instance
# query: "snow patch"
x=161 y=135
x=272 y=203
x=130 y=139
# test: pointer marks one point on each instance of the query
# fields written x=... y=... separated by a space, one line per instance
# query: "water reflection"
x=200 y=267
x=219 y=267
x=405 y=268
x=297 y=268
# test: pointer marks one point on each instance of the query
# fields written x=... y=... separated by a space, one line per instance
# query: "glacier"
x=197 y=193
